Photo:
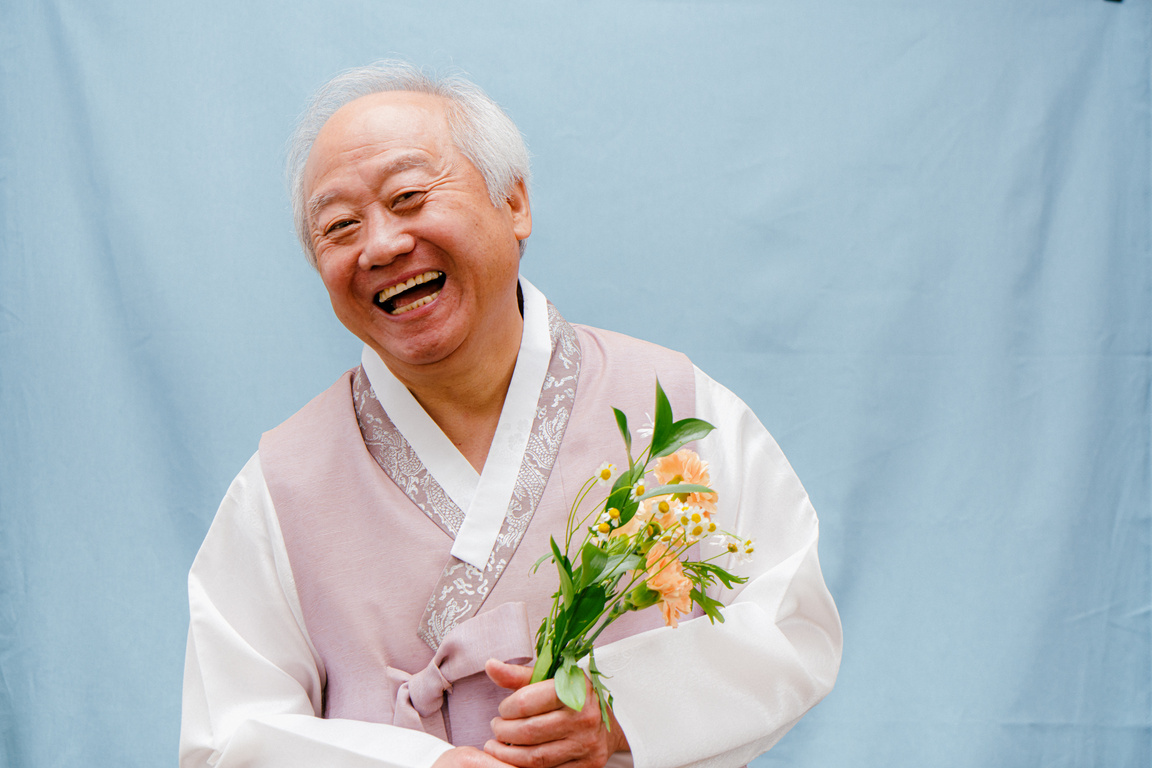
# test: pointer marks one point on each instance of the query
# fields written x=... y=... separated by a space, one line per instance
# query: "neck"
x=464 y=393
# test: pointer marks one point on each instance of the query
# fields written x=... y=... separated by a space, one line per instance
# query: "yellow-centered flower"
x=686 y=467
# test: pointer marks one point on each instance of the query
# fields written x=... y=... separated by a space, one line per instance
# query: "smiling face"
x=417 y=261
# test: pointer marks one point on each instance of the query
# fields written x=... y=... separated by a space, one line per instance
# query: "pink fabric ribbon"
x=501 y=633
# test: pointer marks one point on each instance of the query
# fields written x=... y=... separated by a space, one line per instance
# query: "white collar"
x=484 y=497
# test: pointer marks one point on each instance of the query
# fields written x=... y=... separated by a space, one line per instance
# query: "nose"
x=385 y=239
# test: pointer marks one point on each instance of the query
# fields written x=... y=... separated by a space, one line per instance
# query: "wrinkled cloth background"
x=914 y=236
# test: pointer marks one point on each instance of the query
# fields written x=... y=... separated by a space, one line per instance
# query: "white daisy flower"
x=606 y=473
x=601 y=529
x=746 y=550
x=722 y=540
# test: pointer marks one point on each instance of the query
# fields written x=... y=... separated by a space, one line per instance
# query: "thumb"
x=510 y=676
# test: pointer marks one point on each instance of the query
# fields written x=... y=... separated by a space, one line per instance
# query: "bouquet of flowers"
x=633 y=552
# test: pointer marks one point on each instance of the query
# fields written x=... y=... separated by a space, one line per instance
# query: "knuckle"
x=540 y=730
x=462 y=758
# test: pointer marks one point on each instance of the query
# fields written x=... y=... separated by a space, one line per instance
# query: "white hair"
x=480 y=130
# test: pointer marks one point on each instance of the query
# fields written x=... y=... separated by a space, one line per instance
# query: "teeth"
x=411 y=282
x=416 y=304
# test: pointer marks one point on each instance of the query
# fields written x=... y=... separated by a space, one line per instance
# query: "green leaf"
x=544 y=631
x=601 y=691
x=592 y=560
x=628 y=511
x=709 y=570
x=561 y=629
x=681 y=433
x=622 y=422
x=665 y=490
x=711 y=607
x=542 y=558
x=570 y=685
x=589 y=603
x=561 y=561
x=620 y=563
x=565 y=571
x=566 y=588
x=619 y=544
x=605 y=703
x=662 y=423
x=594 y=672
x=543 y=662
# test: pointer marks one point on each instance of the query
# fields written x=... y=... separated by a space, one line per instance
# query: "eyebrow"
x=396 y=165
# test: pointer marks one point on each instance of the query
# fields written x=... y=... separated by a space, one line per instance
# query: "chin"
x=415 y=354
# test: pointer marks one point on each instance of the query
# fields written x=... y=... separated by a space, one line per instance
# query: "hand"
x=467 y=757
x=537 y=730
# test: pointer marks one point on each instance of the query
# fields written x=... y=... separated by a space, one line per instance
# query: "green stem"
x=584 y=491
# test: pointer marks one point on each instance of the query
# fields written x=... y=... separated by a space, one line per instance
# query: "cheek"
x=335 y=265
x=328 y=278
x=338 y=286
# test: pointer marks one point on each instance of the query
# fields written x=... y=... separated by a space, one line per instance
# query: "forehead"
x=378 y=123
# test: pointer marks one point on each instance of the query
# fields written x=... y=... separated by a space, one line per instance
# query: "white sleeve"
x=721 y=694
x=253 y=683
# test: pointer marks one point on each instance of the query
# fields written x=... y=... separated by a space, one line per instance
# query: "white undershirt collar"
x=483 y=497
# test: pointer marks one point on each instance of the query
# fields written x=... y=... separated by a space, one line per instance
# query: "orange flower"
x=687 y=466
x=666 y=576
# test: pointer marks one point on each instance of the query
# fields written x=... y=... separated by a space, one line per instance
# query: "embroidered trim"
x=462 y=588
x=399 y=461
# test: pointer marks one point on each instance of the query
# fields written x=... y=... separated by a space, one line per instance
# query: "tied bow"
x=501 y=633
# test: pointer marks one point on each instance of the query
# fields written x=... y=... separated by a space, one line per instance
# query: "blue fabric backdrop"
x=914 y=236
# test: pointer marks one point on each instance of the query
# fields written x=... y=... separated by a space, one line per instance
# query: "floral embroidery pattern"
x=399 y=461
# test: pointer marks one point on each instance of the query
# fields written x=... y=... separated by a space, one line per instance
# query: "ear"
x=521 y=211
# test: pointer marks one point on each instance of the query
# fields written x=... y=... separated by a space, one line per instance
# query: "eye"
x=405 y=198
x=338 y=225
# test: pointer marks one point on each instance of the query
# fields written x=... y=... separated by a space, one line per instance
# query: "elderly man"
x=367 y=575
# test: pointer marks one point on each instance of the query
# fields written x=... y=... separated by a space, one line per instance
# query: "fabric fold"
x=501 y=633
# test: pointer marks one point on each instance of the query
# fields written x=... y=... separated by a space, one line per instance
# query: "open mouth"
x=412 y=294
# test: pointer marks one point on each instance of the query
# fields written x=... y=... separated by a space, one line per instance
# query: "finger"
x=539 y=729
x=541 y=756
x=468 y=757
x=511 y=676
x=535 y=699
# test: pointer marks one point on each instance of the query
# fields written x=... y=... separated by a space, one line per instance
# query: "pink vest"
x=367 y=561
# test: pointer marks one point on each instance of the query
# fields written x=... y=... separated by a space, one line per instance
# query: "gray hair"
x=480 y=130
